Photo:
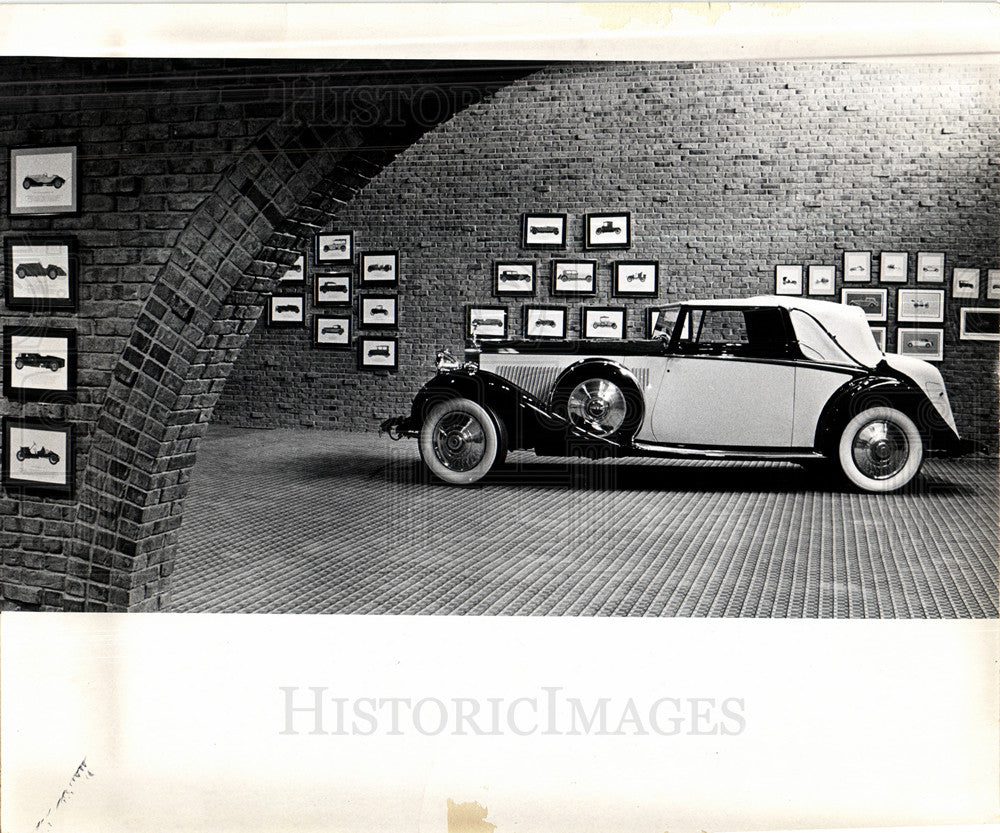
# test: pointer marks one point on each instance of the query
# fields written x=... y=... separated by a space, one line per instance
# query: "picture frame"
x=930 y=267
x=332 y=289
x=979 y=324
x=286 y=309
x=38 y=457
x=543 y=231
x=881 y=339
x=378 y=353
x=893 y=267
x=965 y=283
x=514 y=277
x=332 y=332
x=41 y=273
x=920 y=343
x=788 y=279
x=574 y=277
x=485 y=321
x=924 y=305
x=603 y=322
x=608 y=230
x=295 y=274
x=545 y=322
x=857 y=267
x=43 y=181
x=380 y=268
x=874 y=302
x=636 y=278
x=40 y=363
x=822 y=280
x=378 y=312
x=334 y=247
x=993 y=284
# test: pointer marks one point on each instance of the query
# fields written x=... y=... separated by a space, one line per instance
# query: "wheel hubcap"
x=598 y=405
x=459 y=442
x=880 y=449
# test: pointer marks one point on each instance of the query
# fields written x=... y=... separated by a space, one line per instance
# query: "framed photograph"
x=926 y=344
x=286 y=310
x=857 y=267
x=639 y=278
x=380 y=268
x=514 y=277
x=574 y=277
x=930 y=267
x=378 y=311
x=39 y=363
x=880 y=337
x=332 y=332
x=892 y=267
x=543 y=231
x=331 y=289
x=965 y=283
x=920 y=305
x=979 y=324
x=545 y=322
x=602 y=322
x=822 y=280
x=788 y=280
x=993 y=284
x=377 y=353
x=607 y=230
x=38 y=456
x=486 y=322
x=41 y=273
x=43 y=180
x=295 y=274
x=872 y=301
x=335 y=247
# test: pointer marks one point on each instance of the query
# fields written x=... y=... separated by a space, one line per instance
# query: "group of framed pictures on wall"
x=605 y=230
x=333 y=287
x=41 y=277
x=492 y=321
x=575 y=278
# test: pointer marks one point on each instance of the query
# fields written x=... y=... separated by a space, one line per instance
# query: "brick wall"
x=728 y=170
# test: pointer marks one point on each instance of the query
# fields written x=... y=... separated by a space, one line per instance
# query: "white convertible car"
x=765 y=378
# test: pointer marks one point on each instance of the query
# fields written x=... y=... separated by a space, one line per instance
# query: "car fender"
x=615 y=371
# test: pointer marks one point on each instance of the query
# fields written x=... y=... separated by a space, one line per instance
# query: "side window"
x=758 y=332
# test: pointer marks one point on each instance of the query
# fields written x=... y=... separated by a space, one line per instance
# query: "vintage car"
x=966 y=285
x=763 y=378
x=486 y=322
x=335 y=247
x=608 y=227
x=379 y=310
x=334 y=329
x=43 y=180
x=52 y=363
x=286 y=308
x=636 y=276
x=544 y=229
x=604 y=322
x=36 y=270
x=513 y=275
x=32 y=453
x=379 y=350
x=920 y=344
x=379 y=267
x=329 y=286
x=545 y=322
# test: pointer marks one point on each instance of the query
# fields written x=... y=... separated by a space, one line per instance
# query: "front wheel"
x=880 y=450
x=460 y=441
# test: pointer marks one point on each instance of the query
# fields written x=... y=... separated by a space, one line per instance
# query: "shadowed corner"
x=468 y=817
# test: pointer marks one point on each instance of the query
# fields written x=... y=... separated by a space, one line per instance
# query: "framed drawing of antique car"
x=764 y=378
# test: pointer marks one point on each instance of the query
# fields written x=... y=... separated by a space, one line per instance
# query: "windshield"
x=662 y=321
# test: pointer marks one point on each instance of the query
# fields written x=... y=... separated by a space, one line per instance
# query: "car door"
x=727 y=384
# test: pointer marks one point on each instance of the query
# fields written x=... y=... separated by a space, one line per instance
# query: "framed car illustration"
x=545 y=322
x=920 y=343
x=993 y=284
x=335 y=247
x=40 y=273
x=788 y=280
x=377 y=353
x=294 y=274
x=636 y=278
x=892 y=267
x=380 y=268
x=874 y=302
x=930 y=267
x=38 y=456
x=543 y=231
x=880 y=337
x=602 y=322
x=378 y=311
x=822 y=280
x=332 y=332
x=574 y=277
x=286 y=310
x=39 y=363
x=514 y=277
x=965 y=283
x=920 y=305
x=332 y=289
x=857 y=267
x=43 y=180
x=485 y=322
x=979 y=324
x=608 y=230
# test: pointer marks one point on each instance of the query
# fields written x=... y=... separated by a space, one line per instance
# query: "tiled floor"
x=330 y=522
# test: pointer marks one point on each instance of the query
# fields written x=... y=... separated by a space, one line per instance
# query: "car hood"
x=928 y=378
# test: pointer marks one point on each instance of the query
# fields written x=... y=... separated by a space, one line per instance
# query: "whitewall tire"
x=880 y=450
x=460 y=441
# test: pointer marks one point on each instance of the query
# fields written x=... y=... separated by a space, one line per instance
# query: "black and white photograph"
x=332 y=289
x=41 y=272
x=379 y=268
x=979 y=324
x=378 y=311
x=39 y=363
x=822 y=280
x=920 y=343
x=857 y=267
x=965 y=283
x=514 y=277
x=332 y=332
x=608 y=230
x=603 y=322
x=486 y=321
x=892 y=267
x=334 y=247
x=881 y=338
x=930 y=267
x=43 y=180
x=636 y=278
x=574 y=277
x=37 y=456
x=543 y=231
x=378 y=353
x=286 y=310
x=993 y=284
x=920 y=305
x=788 y=280
x=874 y=302
x=545 y=322
x=295 y=274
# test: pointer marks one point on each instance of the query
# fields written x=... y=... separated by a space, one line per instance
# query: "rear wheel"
x=460 y=441
x=880 y=450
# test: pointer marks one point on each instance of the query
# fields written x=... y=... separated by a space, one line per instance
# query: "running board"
x=790 y=455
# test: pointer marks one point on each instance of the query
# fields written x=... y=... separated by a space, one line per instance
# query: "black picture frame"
x=334 y=247
x=379 y=268
x=44 y=181
x=332 y=289
x=874 y=302
x=38 y=457
x=574 y=278
x=380 y=312
x=595 y=320
x=514 y=278
x=858 y=267
x=789 y=279
x=545 y=322
x=543 y=231
x=979 y=324
x=489 y=328
x=294 y=275
x=280 y=312
x=41 y=273
x=607 y=230
x=332 y=332
x=635 y=278
x=47 y=355
x=378 y=353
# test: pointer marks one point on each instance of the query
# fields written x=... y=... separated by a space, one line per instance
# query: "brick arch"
x=206 y=299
